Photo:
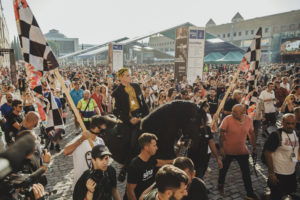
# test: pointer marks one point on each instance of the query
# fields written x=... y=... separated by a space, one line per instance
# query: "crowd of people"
x=134 y=92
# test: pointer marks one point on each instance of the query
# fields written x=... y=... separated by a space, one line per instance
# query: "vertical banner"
x=117 y=57
x=195 y=61
x=181 y=53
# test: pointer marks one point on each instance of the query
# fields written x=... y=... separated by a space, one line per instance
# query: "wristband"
x=46 y=165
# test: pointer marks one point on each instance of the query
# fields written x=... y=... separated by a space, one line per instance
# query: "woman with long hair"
x=103 y=92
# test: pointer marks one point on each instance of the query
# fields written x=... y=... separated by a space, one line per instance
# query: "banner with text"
x=181 y=53
x=115 y=56
x=196 y=47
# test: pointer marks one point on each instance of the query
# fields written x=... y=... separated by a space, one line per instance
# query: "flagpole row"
x=71 y=102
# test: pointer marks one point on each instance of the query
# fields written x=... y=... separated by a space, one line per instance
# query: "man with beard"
x=196 y=187
x=235 y=99
x=100 y=181
x=171 y=183
x=281 y=155
x=6 y=108
x=80 y=145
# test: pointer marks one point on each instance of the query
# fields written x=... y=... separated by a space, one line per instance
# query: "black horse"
x=168 y=122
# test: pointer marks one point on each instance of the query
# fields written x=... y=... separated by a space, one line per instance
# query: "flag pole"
x=216 y=116
x=71 y=102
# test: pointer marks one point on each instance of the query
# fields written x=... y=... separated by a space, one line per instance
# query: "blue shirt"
x=5 y=110
x=76 y=95
x=58 y=102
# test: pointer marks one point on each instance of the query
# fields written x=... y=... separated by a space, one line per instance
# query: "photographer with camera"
x=100 y=181
x=19 y=158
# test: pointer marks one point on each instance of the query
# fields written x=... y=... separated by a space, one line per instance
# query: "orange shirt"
x=236 y=135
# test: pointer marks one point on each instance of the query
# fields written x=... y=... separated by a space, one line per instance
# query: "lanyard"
x=293 y=147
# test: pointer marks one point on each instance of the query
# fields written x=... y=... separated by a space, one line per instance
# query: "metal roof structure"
x=213 y=44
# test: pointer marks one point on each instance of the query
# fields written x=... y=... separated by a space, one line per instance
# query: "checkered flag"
x=252 y=58
x=35 y=48
x=54 y=119
x=250 y=66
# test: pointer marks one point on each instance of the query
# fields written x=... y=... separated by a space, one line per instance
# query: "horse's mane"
x=178 y=111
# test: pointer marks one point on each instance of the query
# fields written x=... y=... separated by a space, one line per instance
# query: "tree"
x=15 y=45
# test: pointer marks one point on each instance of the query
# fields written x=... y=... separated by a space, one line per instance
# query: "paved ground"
x=61 y=174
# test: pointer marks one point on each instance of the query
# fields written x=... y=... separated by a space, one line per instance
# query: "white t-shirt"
x=79 y=160
x=286 y=86
x=269 y=105
x=282 y=161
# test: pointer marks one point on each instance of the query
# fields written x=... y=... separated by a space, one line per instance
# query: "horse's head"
x=197 y=121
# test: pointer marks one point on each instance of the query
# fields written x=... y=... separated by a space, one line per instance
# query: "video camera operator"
x=17 y=185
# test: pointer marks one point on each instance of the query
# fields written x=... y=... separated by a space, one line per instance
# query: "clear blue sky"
x=96 y=21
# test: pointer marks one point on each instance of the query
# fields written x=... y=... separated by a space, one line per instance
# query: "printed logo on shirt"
x=291 y=143
x=147 y=175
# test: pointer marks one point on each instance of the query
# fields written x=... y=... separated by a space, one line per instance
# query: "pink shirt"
x=236 y=134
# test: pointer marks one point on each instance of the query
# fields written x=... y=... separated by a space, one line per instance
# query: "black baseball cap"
x=99 y=151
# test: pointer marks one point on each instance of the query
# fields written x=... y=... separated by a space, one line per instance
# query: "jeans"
x=287 y=185
x=244 y=166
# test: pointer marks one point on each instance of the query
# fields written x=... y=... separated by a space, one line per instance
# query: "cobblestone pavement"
x=60 y=177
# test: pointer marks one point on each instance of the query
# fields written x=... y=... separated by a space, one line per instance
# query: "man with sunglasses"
x=14 y=121
x=80 y=145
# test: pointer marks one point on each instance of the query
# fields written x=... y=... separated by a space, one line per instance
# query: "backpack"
x=263 y=158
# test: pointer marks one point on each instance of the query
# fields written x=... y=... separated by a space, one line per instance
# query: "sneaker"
x=57 y=147
x=221 y=189
x=122 y=175
x=252 y=197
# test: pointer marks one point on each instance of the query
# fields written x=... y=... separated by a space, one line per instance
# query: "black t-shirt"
x=105 y=183
x=11 y=119
x=229 y=104
x=142 y=174
x=197 y=190
x=213 y=104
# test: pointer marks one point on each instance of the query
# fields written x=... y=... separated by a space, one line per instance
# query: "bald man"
x=31 y=121
x=233 y=135
x=281 y=152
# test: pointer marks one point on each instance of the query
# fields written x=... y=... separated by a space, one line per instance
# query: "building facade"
x=65 y=45
x=162 y=43
x=276 y=29
x=4 y=40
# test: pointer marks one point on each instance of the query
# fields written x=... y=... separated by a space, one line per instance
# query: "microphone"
x=12 y=159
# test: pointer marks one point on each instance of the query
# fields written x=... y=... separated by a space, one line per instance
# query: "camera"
x=15 y=181
x=20 y=184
